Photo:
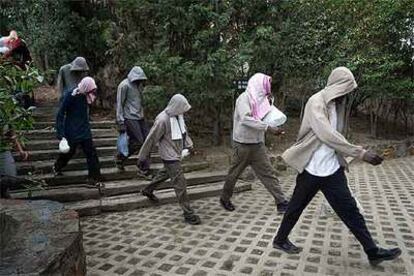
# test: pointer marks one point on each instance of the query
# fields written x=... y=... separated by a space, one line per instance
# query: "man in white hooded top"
x=318 y=156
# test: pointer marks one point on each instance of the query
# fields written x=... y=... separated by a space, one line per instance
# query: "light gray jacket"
x=170 y=150
x=129 y=97
x=246 y=129
x=316 y=128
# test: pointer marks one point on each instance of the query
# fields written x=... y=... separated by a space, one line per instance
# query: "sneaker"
x=380 y=254
x=150 y=195
x=192 y=219
x=56 y=172
x=282 y=207
x=287 y=246
x=100 y=186
x=227 y=205
x=144 y=174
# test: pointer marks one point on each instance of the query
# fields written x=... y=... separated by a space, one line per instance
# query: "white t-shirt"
x=324 y=161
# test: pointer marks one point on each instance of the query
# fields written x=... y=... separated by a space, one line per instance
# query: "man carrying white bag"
x=253 y=116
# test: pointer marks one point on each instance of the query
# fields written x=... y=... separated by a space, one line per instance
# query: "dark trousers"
x=174 y=171
x=137 y=132
x=5 y=183
x=94 y=170
x=338 y=195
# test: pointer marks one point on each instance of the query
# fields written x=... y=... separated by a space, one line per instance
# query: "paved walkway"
x=154 y=241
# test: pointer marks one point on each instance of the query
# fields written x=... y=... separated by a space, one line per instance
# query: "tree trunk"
x=373 y=121
x=217 y=128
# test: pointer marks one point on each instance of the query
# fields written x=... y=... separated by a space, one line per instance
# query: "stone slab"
x=45 y=239
x=53 y=153
x=136 y=200
x=108 y=174
x=51 y=134
x=78 y=192
x=94 y=124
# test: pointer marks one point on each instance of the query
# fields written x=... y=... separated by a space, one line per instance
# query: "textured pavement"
x=155 y=241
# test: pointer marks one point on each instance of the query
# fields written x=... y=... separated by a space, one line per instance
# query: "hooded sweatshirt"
x=251 y=106
x=69 y=77
x=72 y=120
x=169 y=149
x=316 y=128
x=129 y=97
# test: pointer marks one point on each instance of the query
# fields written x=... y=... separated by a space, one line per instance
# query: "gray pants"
x=254 y=155
x=174 y=171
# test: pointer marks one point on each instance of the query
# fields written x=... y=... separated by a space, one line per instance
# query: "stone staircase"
x=122 y=189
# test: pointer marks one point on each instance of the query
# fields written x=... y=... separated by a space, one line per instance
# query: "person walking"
x=8 y=171
x=72 y=123
x=170 y=133
x=318 y=156
x=248 y=141
x=71 y=74
x=130 y=115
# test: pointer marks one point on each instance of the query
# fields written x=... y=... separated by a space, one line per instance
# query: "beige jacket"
x=160 y=133
x=246 y=129
x=316 y=128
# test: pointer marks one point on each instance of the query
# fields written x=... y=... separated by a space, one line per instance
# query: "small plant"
x=13 y=81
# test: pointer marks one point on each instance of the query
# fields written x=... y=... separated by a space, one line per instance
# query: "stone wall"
x=40 y=238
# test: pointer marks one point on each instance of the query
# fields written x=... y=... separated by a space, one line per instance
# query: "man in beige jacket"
x=170 y=133
x=318 y=156
x=248 y=142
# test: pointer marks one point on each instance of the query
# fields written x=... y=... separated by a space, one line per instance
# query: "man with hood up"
x=71 y=74
x=248 y=141
x=170 y=133
x=318 y=156
x=130 y=114
x=72 y=123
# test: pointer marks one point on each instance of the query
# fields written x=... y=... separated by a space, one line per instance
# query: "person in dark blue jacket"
x=72 y=123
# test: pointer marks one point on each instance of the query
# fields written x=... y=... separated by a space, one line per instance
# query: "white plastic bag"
x=185 y=153
x=274 y=117
x=122 y=144
x=64 y=146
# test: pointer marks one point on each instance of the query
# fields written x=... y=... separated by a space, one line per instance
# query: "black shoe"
x=150 y=195
x=282 y=207
x=287 y=246
x=192 y=219
x=120 y=166
x=56 y=172
x=144 y=174
x=5 y=193
x=227 y=205
x=382 y=254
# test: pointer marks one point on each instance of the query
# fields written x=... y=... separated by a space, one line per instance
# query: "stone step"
x=108 y=174
x=41 y=155
x=76 y=164
x=54 y=144
x=78 y=192
x=42 y=134
x=136 y=200
x=94 y=124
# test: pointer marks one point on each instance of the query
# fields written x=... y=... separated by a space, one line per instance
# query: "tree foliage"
x=200 y=47
x=13 y=81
